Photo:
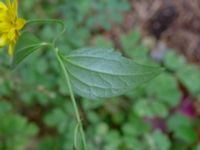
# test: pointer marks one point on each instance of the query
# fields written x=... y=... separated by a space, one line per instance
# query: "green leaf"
x=165 y=88
x=101 y=40
x=197 y=147
x=5 y=107
x=182 y=127
x=188 y=134
x=178 y=120
x=97 y=73
x=150 y=108
x=57 y=118
x=26 y=45
x=130 y=40
x=173 y=61
x=190 y=76
x=19 y=136
x=161 y=140
x=49 y=143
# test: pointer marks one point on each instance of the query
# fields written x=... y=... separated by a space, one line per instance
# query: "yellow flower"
x=10 y=25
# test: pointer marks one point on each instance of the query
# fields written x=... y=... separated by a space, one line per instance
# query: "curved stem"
x=44 y=21
x=59 y=58
x=72 y=98
x=75 y=136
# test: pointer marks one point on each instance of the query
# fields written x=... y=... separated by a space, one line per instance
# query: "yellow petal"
x=2 y=6
x=3 y=15
x=3 y=11
x=10 y=24
x=3 y=40
x=8 y=4
x=20 y=23
x=14 y=6
x=12 y=35
x=11 y=49
x=5 y=27
x=11 y=12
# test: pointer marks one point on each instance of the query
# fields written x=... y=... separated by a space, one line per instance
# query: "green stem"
x=79 y=122
x=44 y=21
x=75 y=136
x=72 y=98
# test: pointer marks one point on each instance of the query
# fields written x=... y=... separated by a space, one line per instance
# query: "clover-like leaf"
x=26 y=45
x=97 y=73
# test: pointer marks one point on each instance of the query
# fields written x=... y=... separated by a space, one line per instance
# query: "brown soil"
x=173 y=22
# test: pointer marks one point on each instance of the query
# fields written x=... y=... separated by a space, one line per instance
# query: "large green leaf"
x=97 y=73
x=26 y=45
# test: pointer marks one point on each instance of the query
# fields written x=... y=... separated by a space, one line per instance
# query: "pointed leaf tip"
x=98 y=73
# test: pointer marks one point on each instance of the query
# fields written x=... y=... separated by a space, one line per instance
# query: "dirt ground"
x=170 y=23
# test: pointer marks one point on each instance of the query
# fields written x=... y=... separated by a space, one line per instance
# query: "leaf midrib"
x=97 y=71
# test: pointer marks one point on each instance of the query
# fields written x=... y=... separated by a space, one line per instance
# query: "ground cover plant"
x=36 y=111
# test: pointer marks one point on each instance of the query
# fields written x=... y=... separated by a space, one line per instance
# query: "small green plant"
x=18 y=136
x=93 y=73
x=160 y=115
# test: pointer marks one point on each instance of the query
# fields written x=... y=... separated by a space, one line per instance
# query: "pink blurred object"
x=187 y=108
x=157 y=123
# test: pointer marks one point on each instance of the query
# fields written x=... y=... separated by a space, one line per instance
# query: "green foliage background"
x=35 y=109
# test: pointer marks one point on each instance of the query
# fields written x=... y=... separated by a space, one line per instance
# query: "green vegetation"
x=35 y=108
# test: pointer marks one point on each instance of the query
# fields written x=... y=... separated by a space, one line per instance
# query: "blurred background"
x=164 y=114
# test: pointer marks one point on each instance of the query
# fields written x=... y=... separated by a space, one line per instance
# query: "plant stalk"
x=50 y=21
x=72 y=98
x=56 y=50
